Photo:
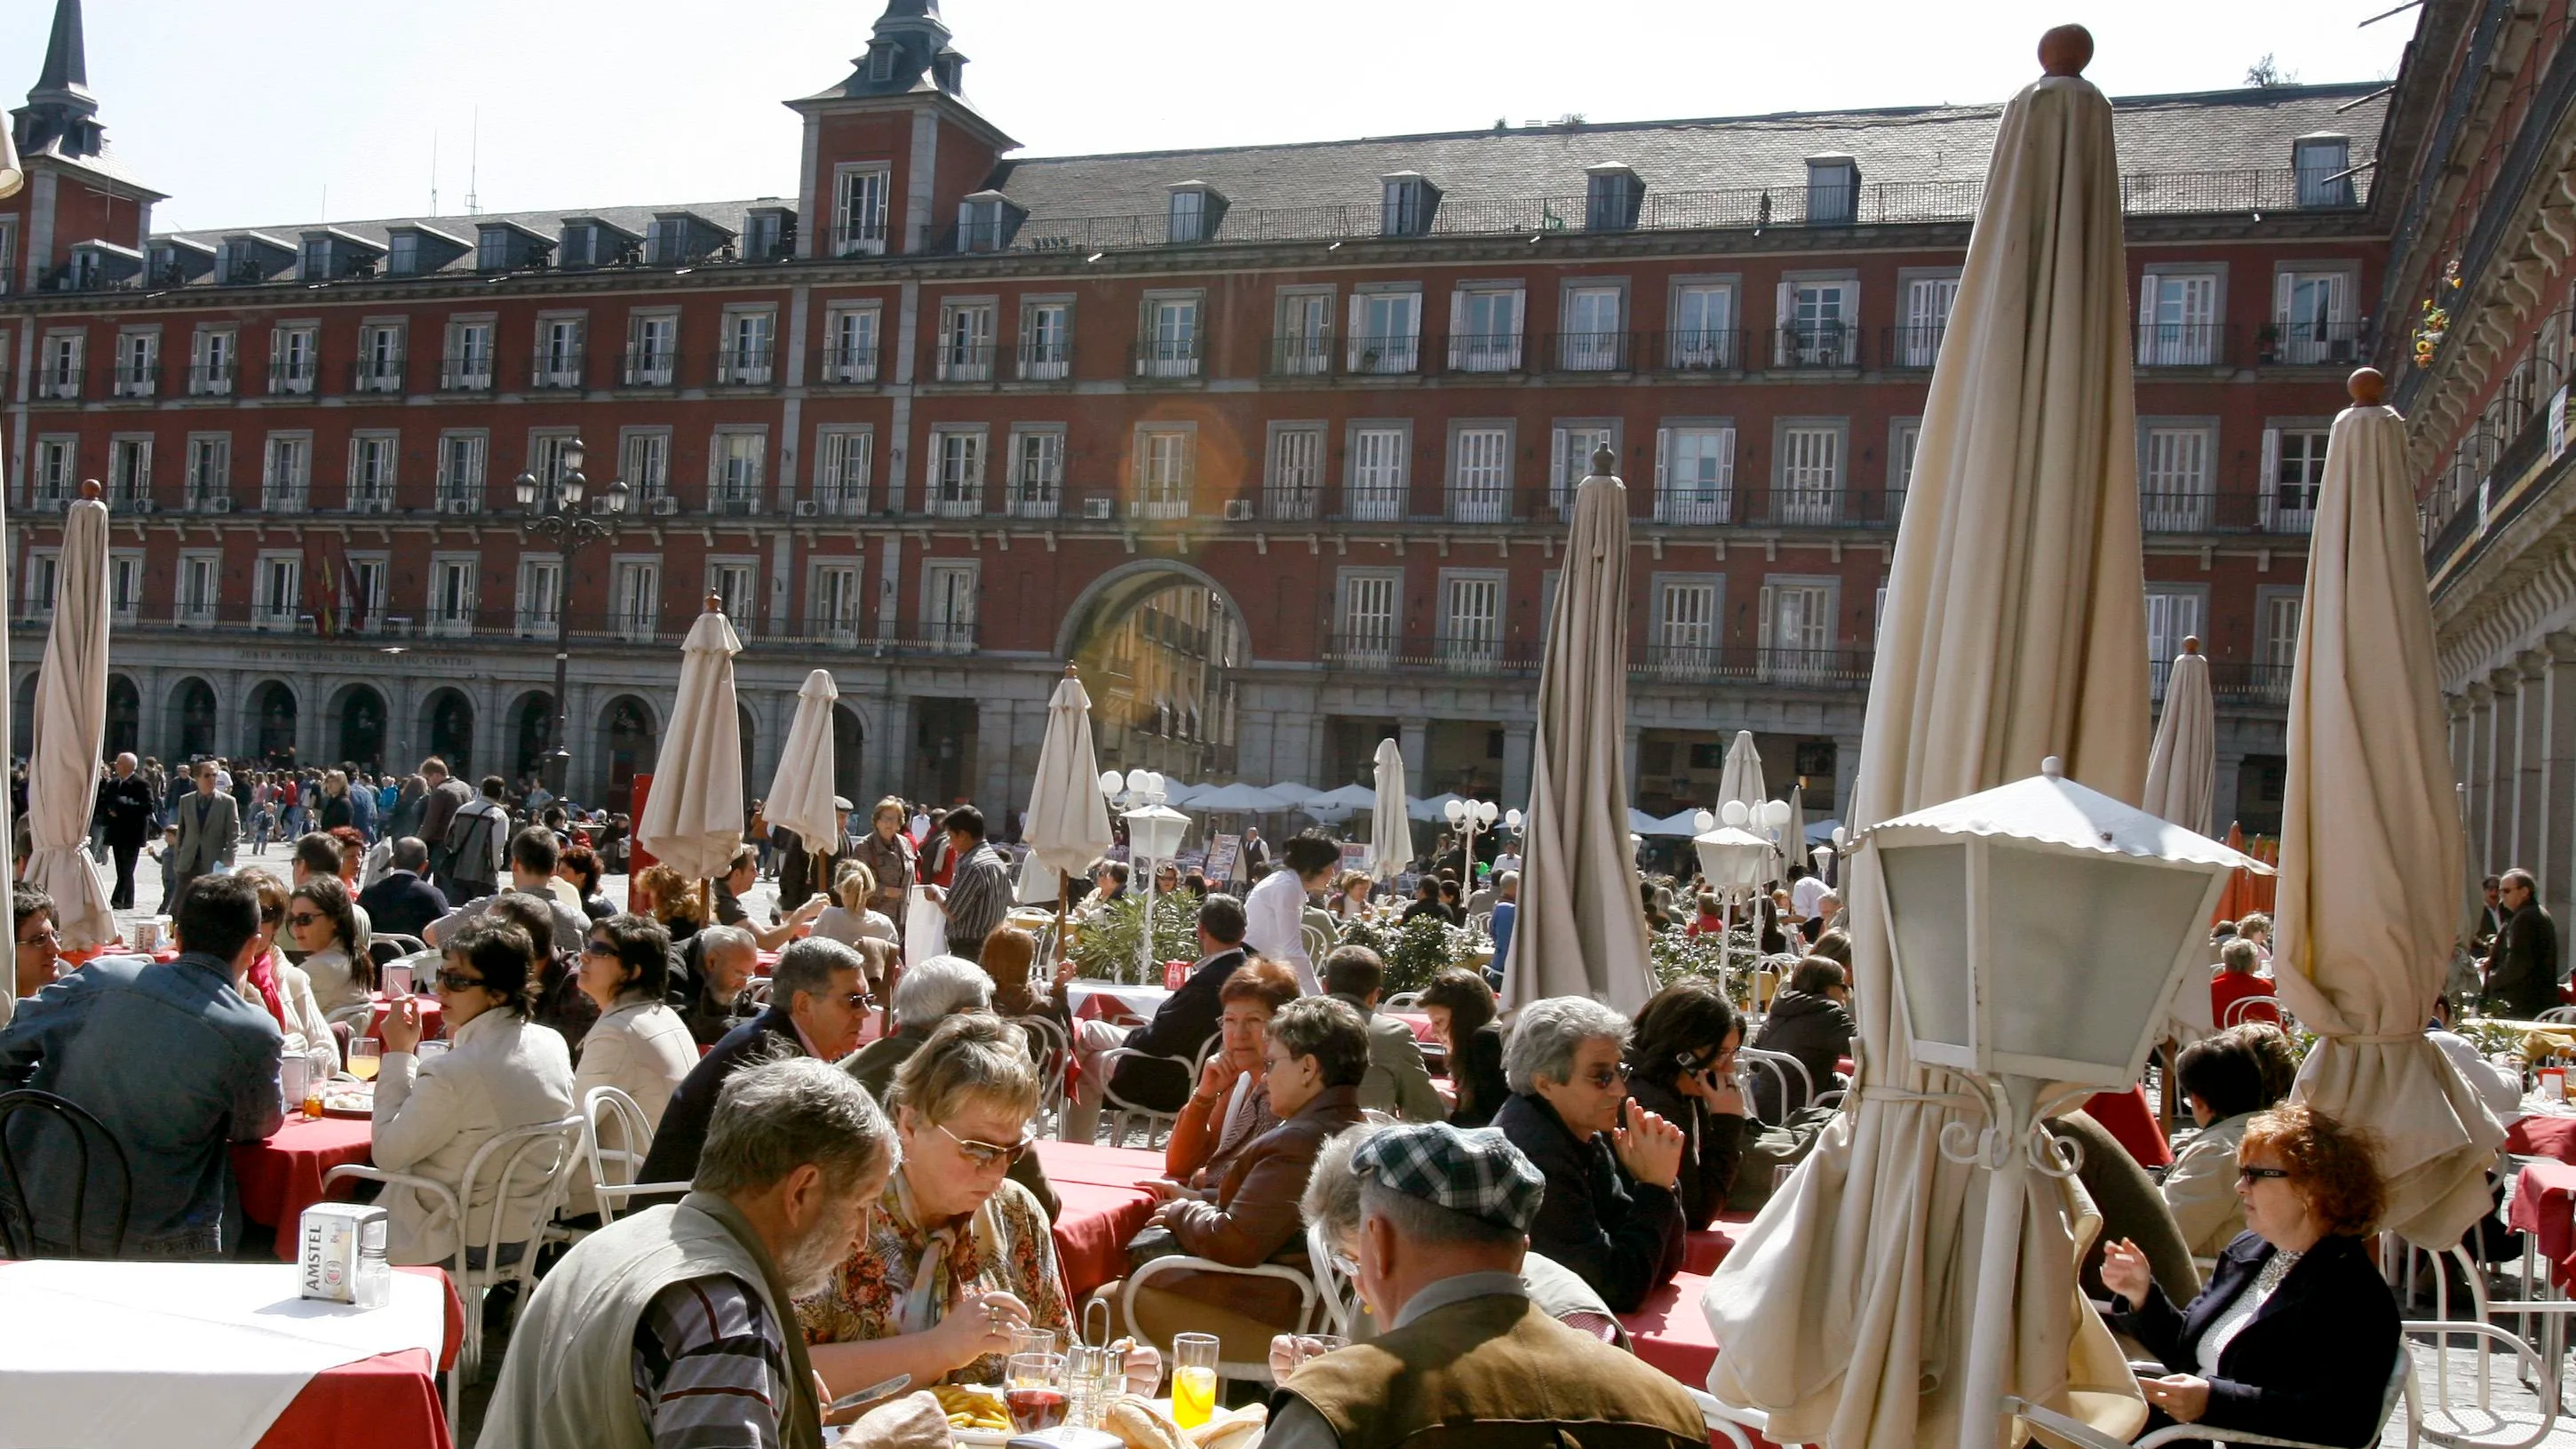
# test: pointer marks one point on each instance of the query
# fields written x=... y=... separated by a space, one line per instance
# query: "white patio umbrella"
x=70 y=724
x=1390 y=828
x=1435 y=808
x=1684 y=821
x=2182 y=765
x=1340 y=804
x=2363 y=944
x=693 y=820
x=2015 y=608
x=800 y=794
x=1292 y=795
x=1741 y=779
x=1793 y=837
x=1580 y=930
x=1235 y=799
x=1068 y=825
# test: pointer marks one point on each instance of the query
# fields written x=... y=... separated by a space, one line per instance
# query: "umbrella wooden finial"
x=715 y=602
x=2191 y=644
x=2066 y=50
x=90 y=489
x=2367 y=386
x=1070 y=672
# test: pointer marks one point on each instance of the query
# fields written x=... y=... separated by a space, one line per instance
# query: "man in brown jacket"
x=1444 y=1223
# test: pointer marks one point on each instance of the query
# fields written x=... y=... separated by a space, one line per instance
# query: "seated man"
x=676 y=1325
x=39 y=951
x=1397 y=1081
x=1444 y=1228
x=402 y=902
x=925 y=995
x=532 y=873
x=718 y=998
x=1611 y=1211
x=816 y=1005
x=1181 y=1027
x=177 y=1060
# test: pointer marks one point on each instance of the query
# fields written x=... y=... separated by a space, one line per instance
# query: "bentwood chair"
x=609 y=1116
x=1156 y=1124
x=48 y=1113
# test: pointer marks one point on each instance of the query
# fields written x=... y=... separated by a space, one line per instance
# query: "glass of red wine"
x=1034 y=1391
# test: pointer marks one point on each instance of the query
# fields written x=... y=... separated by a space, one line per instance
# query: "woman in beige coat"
x=499 y=1072
x=639 y=1045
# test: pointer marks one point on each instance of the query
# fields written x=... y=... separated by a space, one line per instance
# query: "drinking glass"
x=1034 y=1390
x=1032 y=1340
x=1193 y=1378
x=1084 y=1366
x=366 y=1054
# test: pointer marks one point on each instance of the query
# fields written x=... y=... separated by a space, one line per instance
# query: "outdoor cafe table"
x=218 y=1356
x=280 y=1177
x=1109 y=1001
x=1104 y=1203
x=1669 y=1331
x=433 y=1017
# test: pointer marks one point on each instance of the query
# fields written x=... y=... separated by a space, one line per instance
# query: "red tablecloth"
x=1103 y=1206
x=282 y=1176
x=390 y=1400
x=2128 y=1117
x=1669 y=1331
x=2544 y=1205
x=1703 y=1251
x=1419 y=1021
x=433 y=1017
x=2542 y=1137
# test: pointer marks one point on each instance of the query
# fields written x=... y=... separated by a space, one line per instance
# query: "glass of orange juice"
x=1193 y=1378
x=366 y=1054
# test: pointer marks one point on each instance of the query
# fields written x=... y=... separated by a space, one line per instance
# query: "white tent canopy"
x=1236 y=799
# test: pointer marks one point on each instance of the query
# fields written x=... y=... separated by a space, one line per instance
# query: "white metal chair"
x=1781 y=1068
x=1317 y=941
x=2242 y=1010
x=1402 y=1001
x=530 y=1169
x=1053 y=1050
x=1255 y=1371
x=2559 y=1015
x=1155 y=1123
x=613 y=1169
x=2401 y=1387
x=1339 y=1294
x=1480 y=928
x=1727 y=1420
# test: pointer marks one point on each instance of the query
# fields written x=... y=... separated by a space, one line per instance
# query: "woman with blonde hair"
x=678 y=903
x=851 y=920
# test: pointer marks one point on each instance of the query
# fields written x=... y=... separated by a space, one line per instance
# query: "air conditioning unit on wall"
x=1238 y=510
x=1099 y=508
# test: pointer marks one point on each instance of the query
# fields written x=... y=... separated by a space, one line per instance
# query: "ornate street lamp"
x=553 y=508
x=1154 y=832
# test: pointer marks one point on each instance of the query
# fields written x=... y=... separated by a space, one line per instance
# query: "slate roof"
x=2207 y=152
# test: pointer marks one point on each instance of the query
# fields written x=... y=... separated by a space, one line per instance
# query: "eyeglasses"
x=455 y=980
x=597 y=948
x=2255 y=1174
x=44 y=934
x=1604 y=1078
x=272 y=914
x=986 y=1155
x=859 y=1001
x=1345 y=1264
x=302 y=919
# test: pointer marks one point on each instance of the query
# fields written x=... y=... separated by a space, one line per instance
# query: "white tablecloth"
x=205 y=1355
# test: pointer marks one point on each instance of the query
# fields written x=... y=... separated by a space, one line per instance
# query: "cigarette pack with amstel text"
x=343 y=1253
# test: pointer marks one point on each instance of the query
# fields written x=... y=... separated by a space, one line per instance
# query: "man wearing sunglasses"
x=817 y=1003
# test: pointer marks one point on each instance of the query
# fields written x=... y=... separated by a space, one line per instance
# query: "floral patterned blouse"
x=1006 y=1245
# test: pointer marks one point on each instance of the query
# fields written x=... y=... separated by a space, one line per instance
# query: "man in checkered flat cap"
x=1444 y=1223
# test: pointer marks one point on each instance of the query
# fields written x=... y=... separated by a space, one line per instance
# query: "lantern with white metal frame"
x=1734 y=862
x=1154 y=832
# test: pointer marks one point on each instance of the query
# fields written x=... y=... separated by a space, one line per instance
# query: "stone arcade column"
x=1413 y=737
x=2481 y=759
x=2531 y=755
x=2504 y=718
x=1519 y=740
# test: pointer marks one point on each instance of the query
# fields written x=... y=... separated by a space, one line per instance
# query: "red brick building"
x=1270 y=439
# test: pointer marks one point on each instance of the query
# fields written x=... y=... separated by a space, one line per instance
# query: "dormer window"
x=1610 y=197
x=2323 y=163
x=506 y=246
x=317 y=259
x=768 y=233
x=1193 y=214
x=404 y=257
x=329 y=253
x=414 y=250
x=986 y=222
x=1408 y=202
x=881 y=58
x=580 y=246
x=1833 y=190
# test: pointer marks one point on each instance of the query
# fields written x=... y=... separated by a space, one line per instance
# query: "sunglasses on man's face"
x=597 y=948
x=1604 y=1078
x=271 y=915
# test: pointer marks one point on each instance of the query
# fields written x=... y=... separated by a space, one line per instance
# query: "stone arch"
x=354 y=721
x=124 y=717
x=849 y=742
x=447 y=727
x=22 y=717
x=530 y=722
x=1161 y=643
x=753 y=784
x=268 y=720
x=630 y=735
x=195 y=719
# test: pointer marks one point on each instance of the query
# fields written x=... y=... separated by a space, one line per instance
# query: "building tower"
x=94 y=227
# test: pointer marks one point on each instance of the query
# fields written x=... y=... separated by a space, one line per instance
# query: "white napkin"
x=204 y=1354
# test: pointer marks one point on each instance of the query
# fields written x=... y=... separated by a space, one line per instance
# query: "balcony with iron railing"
x=212 y=379
x=735 y=497
x=2285 y=509
x=948 y=498
x=744 y=366
x=58 y=384
x=469 y=374
x=285 y=498
x=293 y=379
x=963 y=362
x=1695 y=505
x=835 y=502
x=1457 y=653
x=1304 y=354
x=649 y=367
x=867 y=240
x=2311 y=344
x=1913 y=346
x=553 y=370
x=1473 y=503
x=1699 y=663
x=207 y=498
x=503 y=624
x=1816 y=346
x=1695 y=349
x=1168 y=359
x=1034 y=500
x=1588 y=351
x=846 y=367
x=135 y=381
x=2184 y=344
x=1369 y=355
x=376 y=375
x=1047 y=359
x=1292 y=503
x=2236 y=681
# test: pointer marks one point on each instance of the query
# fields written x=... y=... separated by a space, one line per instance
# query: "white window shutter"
x=2265 y=481
x=1764 y=607
x=1781 y=317
x=2283 y=287
x=1663 y=447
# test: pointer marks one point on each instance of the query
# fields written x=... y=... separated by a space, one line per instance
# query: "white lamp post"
x=1471 y=816
x=1732 y=860
x=1154 y=832
x=2019 y=1001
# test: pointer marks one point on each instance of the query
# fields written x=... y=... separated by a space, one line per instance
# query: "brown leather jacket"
x=1255 y=1214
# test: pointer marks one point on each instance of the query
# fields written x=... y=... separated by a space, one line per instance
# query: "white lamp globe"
x=1702 y=822
x=1137 y=779
x=1456 y=810
x=1734 y=813
x=1111 y=782
x=1486 y=812
x=1776 y=814
x=1512 y=818
x=1154 y=783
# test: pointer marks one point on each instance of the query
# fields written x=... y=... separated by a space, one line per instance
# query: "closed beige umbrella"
x=693 y=821
x=1390 y=821
x=2014 y=630
x=2182 y=765
x=800 y=794
x=2369 y=829
x=70 y=725
x=1580 y=931
x=1068 y=824
x=1741 y=778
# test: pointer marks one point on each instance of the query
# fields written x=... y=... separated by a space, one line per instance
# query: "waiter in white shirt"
x=1275 y=912
x=1806 y=891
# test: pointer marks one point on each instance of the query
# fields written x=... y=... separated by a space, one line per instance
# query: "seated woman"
x=639 y=1045
x=1229 y=1108
x=500 y=1071
x=1461 y=1006
x=1681 y=1067
x=1314 y=1056
x=1612 y=1213
x=579 y=864
x=1810 y=1020
x=2237 y=979
x=285 y=989
x=1350 y=896
x=850 y=921
x=2297 y=1332
x=322 y=922
x=2222 y=1082
x=669 y=897
x=956 y=1256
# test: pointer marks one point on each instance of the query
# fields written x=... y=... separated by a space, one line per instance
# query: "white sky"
x=249 y=111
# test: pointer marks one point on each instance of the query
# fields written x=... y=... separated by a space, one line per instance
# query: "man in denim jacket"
x=174 y=1059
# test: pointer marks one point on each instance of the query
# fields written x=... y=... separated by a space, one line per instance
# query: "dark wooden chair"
x=51 y=1113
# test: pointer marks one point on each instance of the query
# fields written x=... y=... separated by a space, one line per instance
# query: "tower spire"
x=61 y=115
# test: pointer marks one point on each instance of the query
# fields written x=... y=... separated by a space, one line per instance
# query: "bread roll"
x=1140 y=1425
x=1231 y=1430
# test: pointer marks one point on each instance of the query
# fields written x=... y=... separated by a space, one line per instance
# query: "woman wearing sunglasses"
x=2297 y=1332
x=638 y=1045
x=1613 y=1211
x=323 y=923
x=957 y=1257
x=284 y=989
x=1682 y=1068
